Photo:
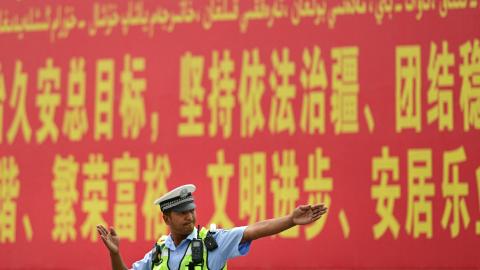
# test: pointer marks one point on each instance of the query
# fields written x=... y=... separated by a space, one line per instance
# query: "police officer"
x=188 y=247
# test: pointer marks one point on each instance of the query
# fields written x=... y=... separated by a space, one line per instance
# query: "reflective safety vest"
x=162 y=254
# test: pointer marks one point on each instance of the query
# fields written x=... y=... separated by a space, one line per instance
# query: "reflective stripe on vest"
x=187 y=257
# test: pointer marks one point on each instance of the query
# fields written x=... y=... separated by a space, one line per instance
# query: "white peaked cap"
x=179 y=199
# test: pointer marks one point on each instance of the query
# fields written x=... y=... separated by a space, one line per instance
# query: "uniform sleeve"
x=145 y=263
x=229 y=242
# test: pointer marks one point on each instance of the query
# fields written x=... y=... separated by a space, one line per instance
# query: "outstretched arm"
x=112 y=241
x=303 y=214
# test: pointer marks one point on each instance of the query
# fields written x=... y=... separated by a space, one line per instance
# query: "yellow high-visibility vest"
x=164 y=255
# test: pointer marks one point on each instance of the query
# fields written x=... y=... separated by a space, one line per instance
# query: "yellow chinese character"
x=126 y=171
x=65 y=194
x=313 y=78
x=17 y=102
x=9 y=191
x=252 y=200
x=454 y=192
x=281 y=111
x=48 y=100
x=284 y=188
x=440 y=94
x=419 y=211
x=408 y=83
x=95 y=195
x=104 y=91
x=220 y=173
x=318 y=188
x=155 y=177
x=3 y=93
x=191 y=95
x=221 y=100
x=345 y=87
x=385 y=168
x=250 y=94
x=75 y=123
x=470 y=93
x=132 y=105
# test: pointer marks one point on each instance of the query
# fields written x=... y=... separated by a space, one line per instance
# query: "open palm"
x=109 y=238
x=305 y=214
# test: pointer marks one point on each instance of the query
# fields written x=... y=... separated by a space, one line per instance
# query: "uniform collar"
x=171 y=245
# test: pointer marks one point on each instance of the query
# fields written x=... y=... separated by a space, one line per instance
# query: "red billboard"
x=370 y=106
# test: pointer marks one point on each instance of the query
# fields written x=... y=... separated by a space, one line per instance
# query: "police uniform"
x=165 y=255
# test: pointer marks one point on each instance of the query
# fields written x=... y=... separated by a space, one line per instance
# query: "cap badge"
x=183 y=193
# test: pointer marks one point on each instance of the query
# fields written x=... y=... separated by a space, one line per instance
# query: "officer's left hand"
x=305 y=214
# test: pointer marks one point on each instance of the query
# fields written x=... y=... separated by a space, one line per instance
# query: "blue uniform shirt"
x=228 y=247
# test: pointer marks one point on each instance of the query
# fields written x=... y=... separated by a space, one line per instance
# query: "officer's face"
x=181 y=222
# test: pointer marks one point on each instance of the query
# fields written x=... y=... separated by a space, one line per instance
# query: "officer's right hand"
x=109 y=238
